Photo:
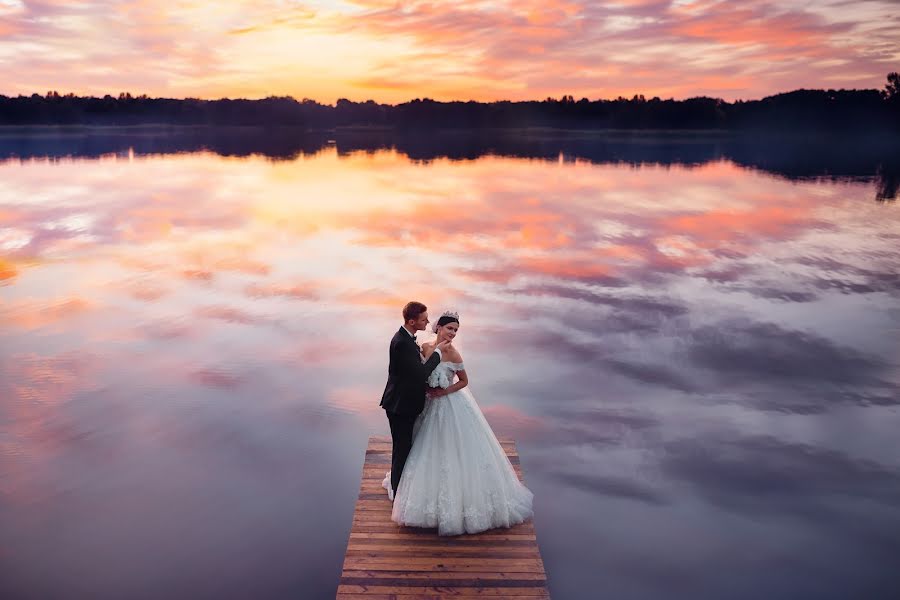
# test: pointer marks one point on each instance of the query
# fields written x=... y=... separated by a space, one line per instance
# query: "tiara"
x=447 y=313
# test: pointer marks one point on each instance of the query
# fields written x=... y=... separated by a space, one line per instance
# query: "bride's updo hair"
x=449 y=316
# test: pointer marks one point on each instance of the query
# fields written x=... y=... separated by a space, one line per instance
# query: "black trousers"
x=401 y=435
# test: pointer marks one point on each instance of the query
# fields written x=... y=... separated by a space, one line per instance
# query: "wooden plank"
x=387 y=525
x=446 y=542
x=508 y=552
x=437 y=595
x=408 y=553
x=356 y=592
x=385 y=560
x=362 y=528
x=423 y=545
x=489 y=578
x=436 y=564
x=483 y=592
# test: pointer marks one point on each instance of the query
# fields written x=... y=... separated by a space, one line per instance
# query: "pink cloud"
x=39 y=381
x=507 y=420
x=147 y=292
x=355 y=400
x=30 y=314
x=167 y=329
x=456 y=50
x=197 y=274
x=215 y=377
x=229 y=314
x=716 y=49
x=298 y=292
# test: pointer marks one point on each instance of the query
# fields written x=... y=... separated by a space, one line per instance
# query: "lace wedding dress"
x=457 y=477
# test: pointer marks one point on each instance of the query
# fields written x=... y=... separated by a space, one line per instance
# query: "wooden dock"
x=386 y=561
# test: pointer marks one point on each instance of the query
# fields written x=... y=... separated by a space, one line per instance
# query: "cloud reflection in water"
x=696 y=356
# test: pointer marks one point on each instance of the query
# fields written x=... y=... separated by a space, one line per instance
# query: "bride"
x=457 y=477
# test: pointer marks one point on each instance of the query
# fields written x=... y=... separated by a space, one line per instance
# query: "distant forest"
x=857 y=111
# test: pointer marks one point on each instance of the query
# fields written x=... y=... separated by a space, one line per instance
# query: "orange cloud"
x=30 y=314
x=242 y=264
x=445 y=49
x=734 y=26
x=765 y=221
x=567 y=267
x=504 y=234
x=198 y=274
x=7 y=269
x=388 y=299
x=147 y=291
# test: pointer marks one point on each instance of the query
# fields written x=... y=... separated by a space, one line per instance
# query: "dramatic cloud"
x=218 y=377
x=610 y=486
x=745 y=349
x=764 y=474
x=395 y=51
x=688 y=348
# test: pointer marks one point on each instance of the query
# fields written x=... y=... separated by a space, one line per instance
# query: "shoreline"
x=540 y=131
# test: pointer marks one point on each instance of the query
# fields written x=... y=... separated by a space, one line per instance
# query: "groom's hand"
x=443 y=345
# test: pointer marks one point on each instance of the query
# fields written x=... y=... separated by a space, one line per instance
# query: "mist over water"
x=692 y=338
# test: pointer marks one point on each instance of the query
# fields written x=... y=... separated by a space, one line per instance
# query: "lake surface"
x=693 y=339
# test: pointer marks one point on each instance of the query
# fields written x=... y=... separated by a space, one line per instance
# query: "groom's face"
x=422 y=322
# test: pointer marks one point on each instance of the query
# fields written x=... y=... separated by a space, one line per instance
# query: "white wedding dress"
x=457 y=477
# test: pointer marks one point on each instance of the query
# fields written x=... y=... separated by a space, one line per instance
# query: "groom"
x=404 y=395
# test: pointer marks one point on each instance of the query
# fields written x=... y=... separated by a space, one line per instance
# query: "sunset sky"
x=393 y=51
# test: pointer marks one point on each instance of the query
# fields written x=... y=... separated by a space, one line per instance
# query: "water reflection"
x=693 y=341
x=805 y=156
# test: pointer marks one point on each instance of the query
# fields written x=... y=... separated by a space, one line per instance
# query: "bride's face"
x=450 y=330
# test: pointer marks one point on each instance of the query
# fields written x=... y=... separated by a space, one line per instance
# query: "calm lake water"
x=694 y=341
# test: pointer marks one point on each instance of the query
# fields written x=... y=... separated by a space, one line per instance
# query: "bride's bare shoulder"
x=453 y=354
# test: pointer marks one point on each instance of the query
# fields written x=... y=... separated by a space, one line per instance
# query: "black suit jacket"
x=404 y=393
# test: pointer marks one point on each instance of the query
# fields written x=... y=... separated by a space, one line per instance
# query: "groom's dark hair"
x=412 y=310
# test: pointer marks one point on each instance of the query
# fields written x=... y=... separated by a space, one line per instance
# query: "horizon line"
x=425 y=98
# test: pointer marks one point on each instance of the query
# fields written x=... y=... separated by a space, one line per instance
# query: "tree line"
x=833 y=110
